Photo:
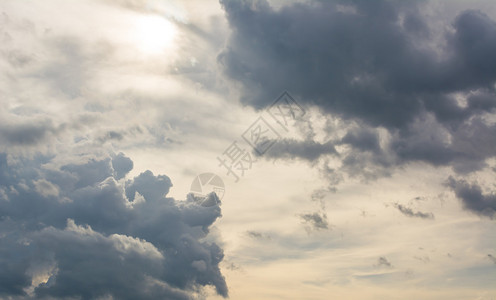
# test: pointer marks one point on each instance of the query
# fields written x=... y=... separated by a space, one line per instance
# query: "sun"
x=154 y=34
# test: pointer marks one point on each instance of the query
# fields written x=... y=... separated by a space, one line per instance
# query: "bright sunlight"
x=154 y=34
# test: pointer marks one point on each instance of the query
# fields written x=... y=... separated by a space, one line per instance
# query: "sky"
x=247 y=149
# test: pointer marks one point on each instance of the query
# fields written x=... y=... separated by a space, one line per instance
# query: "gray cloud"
x=415 y=214
x=121 y=165
x=315 y=220
x=308 y=150
x=346 y=69
x=383 y=262
x=473 y=198
x=375 y=65
x=111 y=135
x=27 y=133
x=363 y=139
x=75 y=226
x=258 y=235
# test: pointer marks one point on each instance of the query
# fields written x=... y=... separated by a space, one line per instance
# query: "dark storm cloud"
x=465 y=146
x=308 y=150
x=368 y=64
x=75 y=225
x=473 y=198
x=415 y=214
x=363 y=139
x=377 y=64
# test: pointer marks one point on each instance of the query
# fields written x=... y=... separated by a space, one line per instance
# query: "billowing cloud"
x=473 y=198
x=75 y=231
x=121 y=165
x=347 y=70
x=380 y=66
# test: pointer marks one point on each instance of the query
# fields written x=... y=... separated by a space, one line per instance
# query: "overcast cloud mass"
x=380 y=186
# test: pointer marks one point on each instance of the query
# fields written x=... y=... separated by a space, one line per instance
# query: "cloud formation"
x=76 y=231
x=380 y=66
x=472 y=197
x=415 y=214
x=347 y=70
x=291 y=149
x=316 y=220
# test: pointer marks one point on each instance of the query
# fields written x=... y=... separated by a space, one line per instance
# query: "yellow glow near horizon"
x=154 y=34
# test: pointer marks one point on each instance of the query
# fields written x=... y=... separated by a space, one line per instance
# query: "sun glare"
x=154 y=34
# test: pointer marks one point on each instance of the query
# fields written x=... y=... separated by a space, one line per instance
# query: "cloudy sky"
x=352 y=146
